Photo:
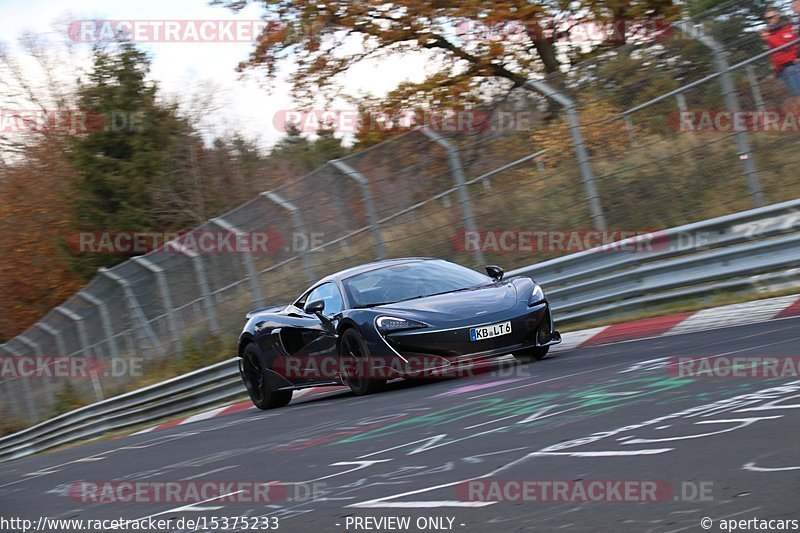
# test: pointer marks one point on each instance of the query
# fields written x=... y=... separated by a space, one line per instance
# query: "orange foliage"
x=34 y=215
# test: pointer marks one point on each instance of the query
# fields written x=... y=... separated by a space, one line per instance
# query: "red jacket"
x=778 y=37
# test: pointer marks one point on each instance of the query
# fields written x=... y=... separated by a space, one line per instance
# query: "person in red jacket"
x=787 y=65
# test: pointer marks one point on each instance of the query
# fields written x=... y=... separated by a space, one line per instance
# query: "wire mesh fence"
x=685 y=125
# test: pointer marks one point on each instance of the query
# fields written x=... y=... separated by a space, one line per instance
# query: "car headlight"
x=389 y=324
x=537 y=296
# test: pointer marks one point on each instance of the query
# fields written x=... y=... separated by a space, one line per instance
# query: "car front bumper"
x=436 y=348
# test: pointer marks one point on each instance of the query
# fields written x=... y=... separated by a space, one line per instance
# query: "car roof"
x=360 y=269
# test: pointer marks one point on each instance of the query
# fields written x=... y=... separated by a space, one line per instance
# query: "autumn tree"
x=34 y=217
x=476 y=48
x=34 y=184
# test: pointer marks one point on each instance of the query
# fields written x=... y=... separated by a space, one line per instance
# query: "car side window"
x=328 y=293
x=301 y=302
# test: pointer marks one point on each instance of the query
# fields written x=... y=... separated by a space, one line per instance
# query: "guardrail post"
x=681 y=99
x=105 y=320
x=541 y=168
x=202 y=282
x=247 y=258
x=585 y=165
x=299 y=228
x=363 y=183
x=30 y=405
x=134 y=308
x=461 y=184
x=631 y=130
x=743 y=147
x=37 y=350
x=166 y=298
x=84 y=339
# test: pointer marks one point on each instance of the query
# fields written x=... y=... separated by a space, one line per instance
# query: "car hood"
x=455 y=306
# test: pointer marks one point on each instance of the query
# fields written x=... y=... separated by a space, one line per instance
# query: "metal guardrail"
x=199 y=389
x=692 y=260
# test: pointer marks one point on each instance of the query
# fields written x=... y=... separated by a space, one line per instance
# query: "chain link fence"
x=619 y=142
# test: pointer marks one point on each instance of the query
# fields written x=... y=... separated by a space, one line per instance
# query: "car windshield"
x=405 y=281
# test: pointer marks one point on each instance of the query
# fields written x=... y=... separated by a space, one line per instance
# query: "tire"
x=354 y=362
x=254 y=377
x=529 y=355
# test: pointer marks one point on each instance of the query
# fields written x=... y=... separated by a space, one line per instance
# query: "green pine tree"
x=130 y=149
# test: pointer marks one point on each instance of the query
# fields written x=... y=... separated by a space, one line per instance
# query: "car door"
x=309 y=342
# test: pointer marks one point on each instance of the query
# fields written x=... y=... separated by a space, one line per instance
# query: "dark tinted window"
x=410 y=280
x=328 y=293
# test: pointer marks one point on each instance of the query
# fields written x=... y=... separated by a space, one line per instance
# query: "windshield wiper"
x=367 y=306
x=449 y=292
x=424 y=296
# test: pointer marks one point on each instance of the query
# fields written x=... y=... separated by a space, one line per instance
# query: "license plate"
x=488 y=332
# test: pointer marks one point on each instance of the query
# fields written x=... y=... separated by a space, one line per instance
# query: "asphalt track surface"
x=615 y=412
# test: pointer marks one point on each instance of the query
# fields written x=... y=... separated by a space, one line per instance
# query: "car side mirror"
x=315 y=308
x=495 y=272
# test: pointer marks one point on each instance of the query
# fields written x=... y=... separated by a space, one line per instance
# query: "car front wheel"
x=355 y=365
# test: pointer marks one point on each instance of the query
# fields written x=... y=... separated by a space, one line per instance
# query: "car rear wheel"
x=254 y=376
x=355 y=365
x=530 y=355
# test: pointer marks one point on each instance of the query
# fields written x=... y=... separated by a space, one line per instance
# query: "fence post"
x=37 y=350
x=460 y=179
x=84 y=339
x=363 y=183
x=105 y=320
x=166 y=298
x=299 y=227
x=247 y=258
x=202 y=282
x=56 y=335
x=30 y=405
x=7 y=393
x=585 y=165
x=134 y=308
x=743 y=147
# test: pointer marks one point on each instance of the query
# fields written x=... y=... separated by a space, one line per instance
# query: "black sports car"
x=389 y=319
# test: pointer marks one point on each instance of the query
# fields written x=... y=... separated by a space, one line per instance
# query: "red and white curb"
x=236 y=407
x=681 y=323
x=677 y=324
